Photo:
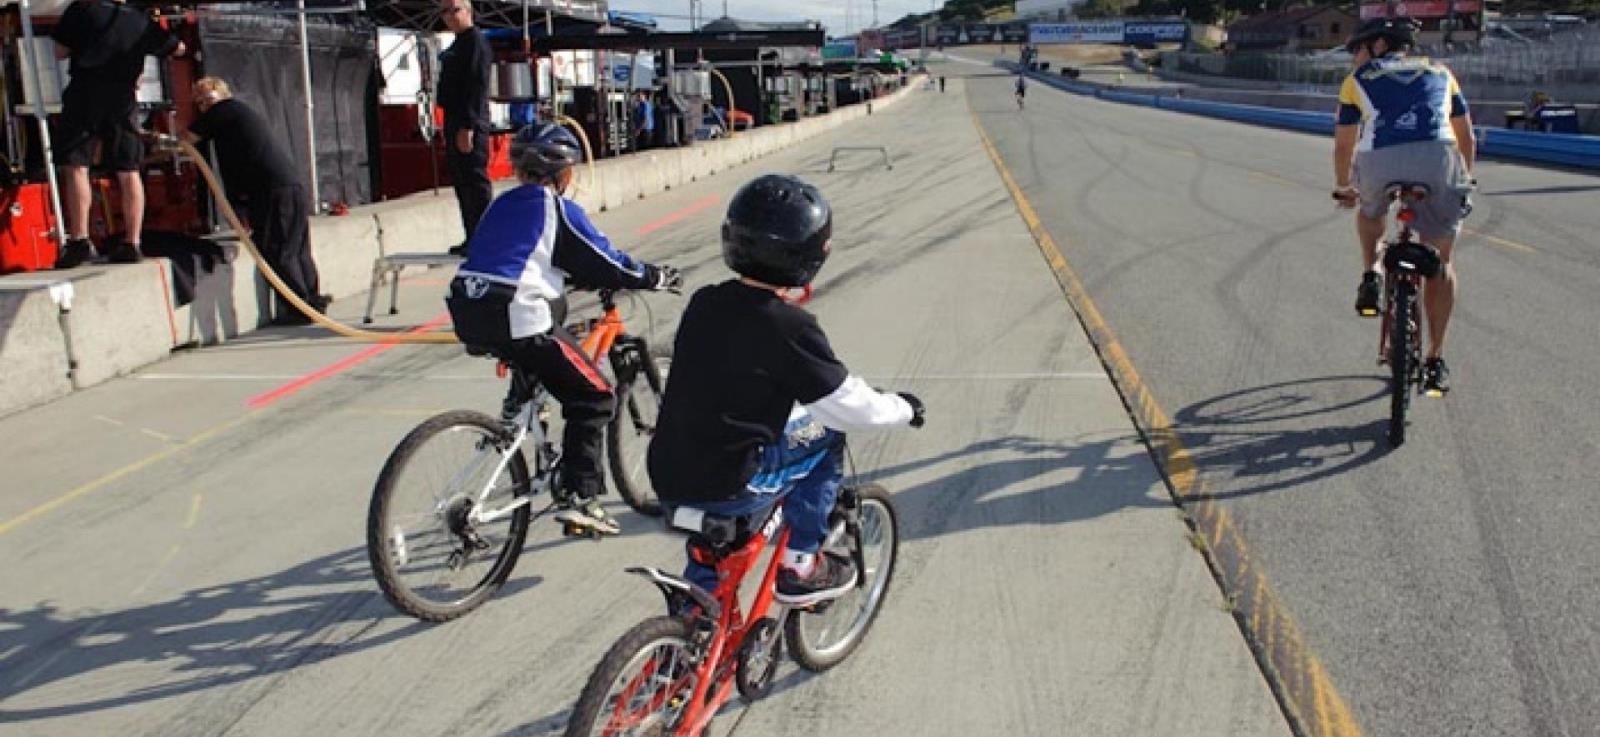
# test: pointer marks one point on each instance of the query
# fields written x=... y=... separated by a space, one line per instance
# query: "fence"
x=1569 y=60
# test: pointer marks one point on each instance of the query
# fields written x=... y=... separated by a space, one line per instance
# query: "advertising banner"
x=1076 y=33
x=1150 y=33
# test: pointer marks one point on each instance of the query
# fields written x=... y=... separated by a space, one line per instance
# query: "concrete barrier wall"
x=125 y=317
x=34 y=367
x=1578 y=151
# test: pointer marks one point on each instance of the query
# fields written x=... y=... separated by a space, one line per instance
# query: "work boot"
x=74 y=253
x=124 y=253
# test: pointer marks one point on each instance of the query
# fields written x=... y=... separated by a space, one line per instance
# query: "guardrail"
x=1563 y=149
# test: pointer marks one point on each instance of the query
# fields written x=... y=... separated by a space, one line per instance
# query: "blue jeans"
x=804 y=470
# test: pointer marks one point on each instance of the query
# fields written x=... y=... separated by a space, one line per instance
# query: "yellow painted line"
x=1300 y=682
x=194 y=513
x=1498 y=241
x=100 y=483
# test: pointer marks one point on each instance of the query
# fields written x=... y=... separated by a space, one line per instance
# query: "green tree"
x=1099 y=9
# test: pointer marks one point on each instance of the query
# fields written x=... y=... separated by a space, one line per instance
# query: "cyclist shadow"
x=207 y=638
x=1284 y=435
x=1033 y=481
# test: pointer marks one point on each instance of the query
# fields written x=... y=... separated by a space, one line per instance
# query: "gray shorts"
x=1437 y=164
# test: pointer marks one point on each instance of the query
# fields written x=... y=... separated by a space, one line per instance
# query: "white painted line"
x=158 y=435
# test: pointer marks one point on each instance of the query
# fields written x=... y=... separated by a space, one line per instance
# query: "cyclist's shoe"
x=74 y=253
x=830 y=578
x=585 y=516
x=1435 y=378
x=1367 y=294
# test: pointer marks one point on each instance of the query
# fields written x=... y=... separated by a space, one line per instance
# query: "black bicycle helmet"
x=777 y=231
x=543 y=150
x=1401 y=33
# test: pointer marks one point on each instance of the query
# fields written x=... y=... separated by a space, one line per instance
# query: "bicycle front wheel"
x=632 y=426
x=642 y=686
x=1400 y=363
x=448 y=516
x=821 y=638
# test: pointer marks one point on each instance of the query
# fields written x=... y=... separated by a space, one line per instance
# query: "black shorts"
x=90 y=114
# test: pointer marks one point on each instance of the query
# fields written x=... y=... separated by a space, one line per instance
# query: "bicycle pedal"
x=1368 y=313
x=1433 y=393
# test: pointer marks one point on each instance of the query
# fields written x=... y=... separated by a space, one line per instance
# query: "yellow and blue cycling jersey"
x=1399 y=99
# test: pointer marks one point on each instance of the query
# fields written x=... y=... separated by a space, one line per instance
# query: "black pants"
x=281 y=229
x=469 y=174
x=586 y=400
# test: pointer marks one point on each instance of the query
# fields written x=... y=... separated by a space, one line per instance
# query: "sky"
x=841 y=17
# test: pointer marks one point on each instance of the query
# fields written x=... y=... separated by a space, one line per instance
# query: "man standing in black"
x=464 y=95
x=260 y=178
x=107 y=42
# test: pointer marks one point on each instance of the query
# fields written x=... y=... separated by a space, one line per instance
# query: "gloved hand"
x=668 y=279
x=918 y=411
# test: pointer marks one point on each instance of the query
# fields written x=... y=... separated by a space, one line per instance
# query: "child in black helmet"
x=509 y=297
x=756 y=400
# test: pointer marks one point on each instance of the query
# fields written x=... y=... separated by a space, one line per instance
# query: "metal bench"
x=389 y=267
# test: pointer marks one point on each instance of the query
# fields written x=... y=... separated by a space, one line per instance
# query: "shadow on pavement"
x=207 y=638
x=1280 y=436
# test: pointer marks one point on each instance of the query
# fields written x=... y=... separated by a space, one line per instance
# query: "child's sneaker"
x=830 y=578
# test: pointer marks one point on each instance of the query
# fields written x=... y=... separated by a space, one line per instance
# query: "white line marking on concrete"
x=158 y=435
x=110 y=421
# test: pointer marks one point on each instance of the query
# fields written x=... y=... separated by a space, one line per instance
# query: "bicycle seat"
x=717 y=534
x=1407 y=191
x=1412 y=258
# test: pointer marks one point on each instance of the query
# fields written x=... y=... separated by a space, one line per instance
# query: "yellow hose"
x=588 y=153
x=272 y=277
x=732 y=108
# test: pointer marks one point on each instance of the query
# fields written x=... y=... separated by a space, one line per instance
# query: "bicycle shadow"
x=207 y=638
x=1033 y=482
x=1277 y=437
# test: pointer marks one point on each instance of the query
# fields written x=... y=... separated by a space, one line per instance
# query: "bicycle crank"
x=758 y=660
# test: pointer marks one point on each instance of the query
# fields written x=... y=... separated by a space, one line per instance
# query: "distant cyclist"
x=1404 y=118
x=1022 y=89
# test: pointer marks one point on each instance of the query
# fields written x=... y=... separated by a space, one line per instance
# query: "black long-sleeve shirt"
x=464 y=82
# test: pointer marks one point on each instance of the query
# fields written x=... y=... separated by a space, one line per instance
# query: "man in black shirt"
x=756 y=399
x=261 y=180
x=107 y=42
x=464 y=95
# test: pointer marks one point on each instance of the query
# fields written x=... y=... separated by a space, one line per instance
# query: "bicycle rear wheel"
x=633 y=424
x=642 y=685
x=823 y=637
x=1400 y=360
x=432 y=558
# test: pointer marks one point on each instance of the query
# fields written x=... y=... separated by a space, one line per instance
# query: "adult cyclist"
x=1022 y=89
x=1403 y=118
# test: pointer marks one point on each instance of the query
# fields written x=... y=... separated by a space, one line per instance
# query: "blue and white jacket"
x=530 y=242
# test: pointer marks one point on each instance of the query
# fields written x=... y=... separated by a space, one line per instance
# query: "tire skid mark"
x=1296 y=675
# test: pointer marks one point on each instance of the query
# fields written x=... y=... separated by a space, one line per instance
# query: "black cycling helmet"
x=544 y=150
x=777 y=231
x=1401 y=33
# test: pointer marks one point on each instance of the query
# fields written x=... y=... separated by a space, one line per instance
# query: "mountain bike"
x=669 y=675
x=1406 y=263
x=454 y=501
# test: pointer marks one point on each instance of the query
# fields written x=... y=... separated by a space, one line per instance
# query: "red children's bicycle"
x=670 y=675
